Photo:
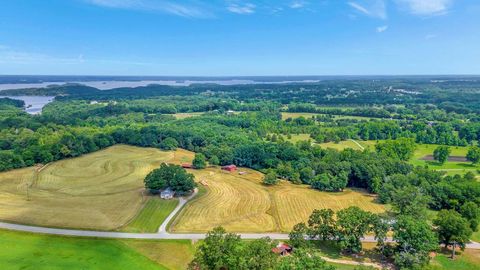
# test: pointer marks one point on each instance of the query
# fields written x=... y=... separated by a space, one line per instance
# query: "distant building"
x=282 y=249
x=230 y=168
x=230 y=112
x=93 y=102
x=187 y=166
x=167 y=194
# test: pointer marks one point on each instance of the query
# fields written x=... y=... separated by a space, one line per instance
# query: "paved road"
x=162 y=235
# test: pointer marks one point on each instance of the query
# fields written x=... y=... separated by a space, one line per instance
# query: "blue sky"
x=228 y=37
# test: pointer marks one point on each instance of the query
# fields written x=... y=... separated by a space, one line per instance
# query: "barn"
x=230 y=168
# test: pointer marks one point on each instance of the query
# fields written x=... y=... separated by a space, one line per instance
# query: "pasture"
x=240 y=203
x=101 y=190
x=293 y=115
x=21 y=250
x=187 y=115
x=152 y=215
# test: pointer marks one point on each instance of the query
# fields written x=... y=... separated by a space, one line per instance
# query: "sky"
x=235 y=38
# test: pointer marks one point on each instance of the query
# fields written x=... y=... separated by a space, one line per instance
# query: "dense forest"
x=251 y=126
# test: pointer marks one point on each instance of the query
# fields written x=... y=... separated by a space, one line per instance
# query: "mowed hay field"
x=240 y=203
x=101 y=190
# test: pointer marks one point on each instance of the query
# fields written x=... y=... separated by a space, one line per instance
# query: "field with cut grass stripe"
x=101 y=190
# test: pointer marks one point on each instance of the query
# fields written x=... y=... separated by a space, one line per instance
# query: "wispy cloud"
x=246 y=8
x=11 y=56
x=189 y=9
x=426 y=7
x=371 y=8
x=382 y=29
x=297 y=4
x=430 y=36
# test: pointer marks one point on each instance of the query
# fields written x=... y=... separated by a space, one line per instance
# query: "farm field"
x=152 y=215
x=451 y=167
x=187 y=115
x=240 y=203
x=101 y=190
x=342 y=145
x=293 y=115
x=38 y=252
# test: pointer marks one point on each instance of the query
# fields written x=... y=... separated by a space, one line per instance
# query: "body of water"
x=33 y=104
x=106 y=85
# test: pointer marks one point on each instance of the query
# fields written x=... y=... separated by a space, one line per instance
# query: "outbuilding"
x=167 y=194
x=230 y=168
x=282 y=249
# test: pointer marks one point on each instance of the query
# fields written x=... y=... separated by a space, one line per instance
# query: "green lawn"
x=151 y=216
x=468 y=260
x=37 y=251
x=450 y=167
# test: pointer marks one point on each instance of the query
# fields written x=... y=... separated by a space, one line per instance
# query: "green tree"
x=441 y=154
x=380 y=228
x=172 y=176
x=473 y=154
x=352 y=224
x=410 y=200
x=169 y=144
x=270 y=178
x=302 y=259
x=321 y=224
x=214 y=160
x=219 y=250
x=402 y=148
x=199 y=162
x=452 y=229
x=415 y=239
x=297 y=235
x=471 y=212
x=258 y=254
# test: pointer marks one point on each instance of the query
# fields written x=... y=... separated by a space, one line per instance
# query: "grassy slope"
x=467 y=260
x=241 y=203
x=151 y=216
x=101 y=190
x=29 y=251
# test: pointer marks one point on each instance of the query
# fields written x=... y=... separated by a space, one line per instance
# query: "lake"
x=33 y=104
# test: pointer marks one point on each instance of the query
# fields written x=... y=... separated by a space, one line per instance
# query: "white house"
x=167 y=194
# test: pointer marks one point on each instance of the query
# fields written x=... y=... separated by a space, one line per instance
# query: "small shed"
x=167 y=194
x=230 y=168
x=282 y=249
x=187 y=166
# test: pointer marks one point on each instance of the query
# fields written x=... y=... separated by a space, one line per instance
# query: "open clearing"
x=38 y=252
x=240 y=203
x=152 y=215
x=101 y=190
x=293 y=115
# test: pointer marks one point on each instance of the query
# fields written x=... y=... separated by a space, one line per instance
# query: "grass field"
x=187 y=115
x=152 y=215
x=240 y=203
x=37 y=251
x=293 y=115
x=342 y=145
x=101 y=190
x=450 y=167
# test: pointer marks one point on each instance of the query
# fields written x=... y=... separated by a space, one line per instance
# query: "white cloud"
x=297 y=4
x=382 y=29
x=246 y=8
x=426 y=7
x=184 y=10
x=371 y=8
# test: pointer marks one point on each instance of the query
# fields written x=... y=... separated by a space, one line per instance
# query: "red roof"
x=187 y=165
x=229 y=167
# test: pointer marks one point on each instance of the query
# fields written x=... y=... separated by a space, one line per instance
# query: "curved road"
x=162 y=233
